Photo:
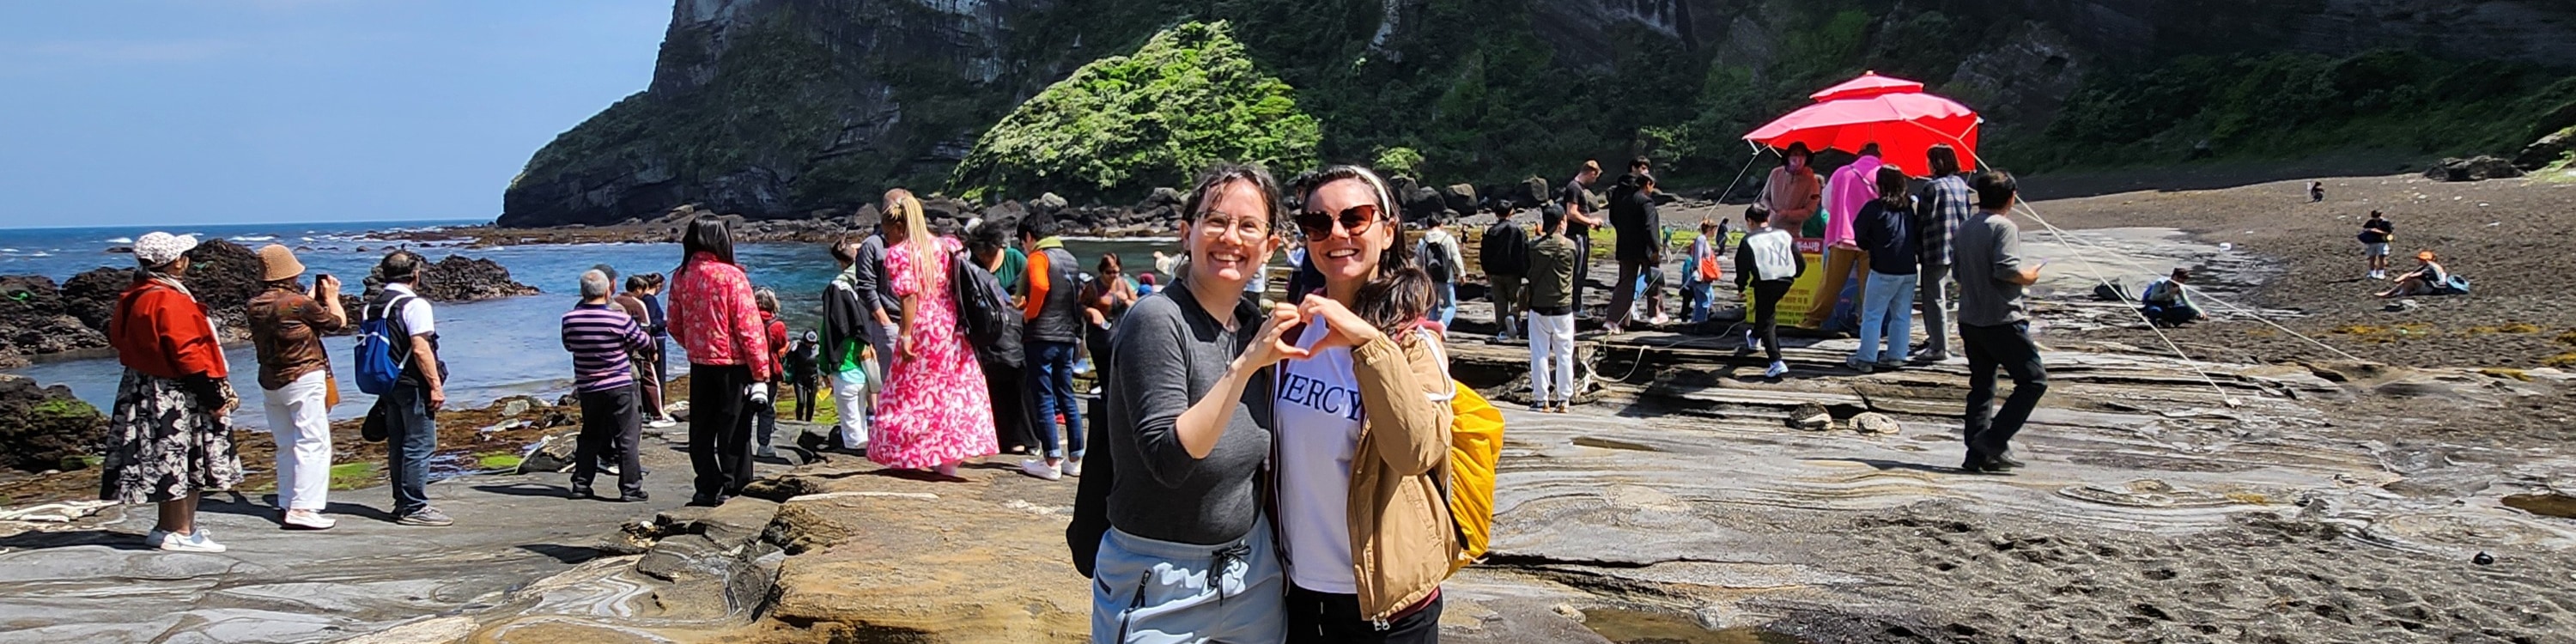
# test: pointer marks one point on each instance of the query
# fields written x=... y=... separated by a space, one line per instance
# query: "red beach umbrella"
x=1892 y=112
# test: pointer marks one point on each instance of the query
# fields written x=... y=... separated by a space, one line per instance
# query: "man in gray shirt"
x=878 y=296
x=1994 y=323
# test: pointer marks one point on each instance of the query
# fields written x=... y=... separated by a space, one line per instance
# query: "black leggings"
x=719 y=429
x=1322 y=618
x=1766 y=314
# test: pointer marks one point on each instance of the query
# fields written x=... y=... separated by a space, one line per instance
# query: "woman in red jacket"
x=713 y=317
x=171 y=435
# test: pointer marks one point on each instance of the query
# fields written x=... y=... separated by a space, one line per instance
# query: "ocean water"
x=494 y=348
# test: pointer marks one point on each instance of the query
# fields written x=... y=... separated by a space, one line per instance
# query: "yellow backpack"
x=1475 y=446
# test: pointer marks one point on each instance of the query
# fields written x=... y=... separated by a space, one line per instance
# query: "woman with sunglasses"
x=1363 y=425
x=1186 y=555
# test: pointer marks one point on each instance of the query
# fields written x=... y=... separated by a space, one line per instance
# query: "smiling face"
x=1231 y=239
x=1341 y=256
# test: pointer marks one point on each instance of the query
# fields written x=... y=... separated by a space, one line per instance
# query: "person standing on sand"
x=1885 y=232
x=1939 y=205
x=603 y=340
x=1766 y=263
x=714 y=318
x=1363 y=424
x=2375 y=236
x=1579 y=222
x=1994 y=324
x=847 y=356
x=170 y=435
x=1793 y=192
x=1055 y=325
x=1852 y=188
x=935 y=412
x=1551 y=313
x=287 y=323
x=410 y=412
x=1180 y=545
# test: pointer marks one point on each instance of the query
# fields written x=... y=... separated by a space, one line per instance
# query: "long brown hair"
x=1399 y=295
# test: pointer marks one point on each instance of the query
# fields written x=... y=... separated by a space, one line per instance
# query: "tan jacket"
x=1401 y=537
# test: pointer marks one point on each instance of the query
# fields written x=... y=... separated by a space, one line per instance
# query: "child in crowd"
x=802 y=372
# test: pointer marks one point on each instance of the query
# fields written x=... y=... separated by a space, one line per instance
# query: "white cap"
x=159 y=248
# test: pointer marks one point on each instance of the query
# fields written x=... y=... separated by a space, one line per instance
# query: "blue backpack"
x=375 y=365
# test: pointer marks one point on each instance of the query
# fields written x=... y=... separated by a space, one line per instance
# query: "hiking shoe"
x=1039 y=468
x=197 y=541
x=1542 y=407
x=2003 y=462
x=1073 y=467
x=581 y=492
x=426 y=517
x=308 y=520
x=638 y=496
x=1748 y=347
x=1777 y=369
x=1856 y=364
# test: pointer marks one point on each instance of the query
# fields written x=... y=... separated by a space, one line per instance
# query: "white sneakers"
x=2378 y=274
x=1073 y=467
x=1777 y=368
x=308 y=520
x=664 y=422
x=1039 y=468
x=197 y=541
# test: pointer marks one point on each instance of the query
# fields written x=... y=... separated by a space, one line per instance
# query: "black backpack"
x=984 y=312
x=1437 y=263
x=1505 y=251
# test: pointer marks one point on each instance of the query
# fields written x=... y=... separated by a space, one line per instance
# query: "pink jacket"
x=713 y=317
x=1852 y=187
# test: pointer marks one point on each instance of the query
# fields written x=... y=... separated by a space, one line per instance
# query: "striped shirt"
x=599 y=338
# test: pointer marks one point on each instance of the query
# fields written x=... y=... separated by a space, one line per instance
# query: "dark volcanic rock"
x=91 y=296
x=460 y=279
x=46 y=425
x=33 y=320
x=2476 y=169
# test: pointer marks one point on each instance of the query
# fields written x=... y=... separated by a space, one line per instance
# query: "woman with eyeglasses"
x=1186 y=554
x=1363 y=424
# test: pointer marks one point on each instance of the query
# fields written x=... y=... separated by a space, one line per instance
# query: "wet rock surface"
x=46 y=427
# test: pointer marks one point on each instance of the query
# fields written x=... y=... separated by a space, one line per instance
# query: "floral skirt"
x=162 y=447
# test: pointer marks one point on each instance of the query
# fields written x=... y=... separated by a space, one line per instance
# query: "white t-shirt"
x=416 y=317
x=1318 y=417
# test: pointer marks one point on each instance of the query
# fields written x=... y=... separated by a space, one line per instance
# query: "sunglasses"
x=1317 y=224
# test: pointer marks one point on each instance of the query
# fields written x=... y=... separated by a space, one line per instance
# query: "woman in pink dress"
x=935 y=411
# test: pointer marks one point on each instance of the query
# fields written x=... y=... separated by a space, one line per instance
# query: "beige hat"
x=278 y=263
x=158 y=248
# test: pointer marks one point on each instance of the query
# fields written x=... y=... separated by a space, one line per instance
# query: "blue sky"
x=141 y=112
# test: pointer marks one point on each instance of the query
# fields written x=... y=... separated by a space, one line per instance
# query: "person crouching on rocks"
x=713 y=317
x=2167 y=301
x=1185 y=551
x=1363 y=423
x=287 y=323
x=171 y=434
x=603 y=340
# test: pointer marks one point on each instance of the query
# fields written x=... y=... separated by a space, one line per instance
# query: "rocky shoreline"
x=39 y=317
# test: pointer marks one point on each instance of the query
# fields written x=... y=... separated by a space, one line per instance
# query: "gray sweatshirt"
x=1167 y=354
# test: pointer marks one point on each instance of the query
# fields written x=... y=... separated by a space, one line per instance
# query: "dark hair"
x=2374 y=214
x=989 y=236
x=1995 y=189
x=607 y=270
x=1891 y=187
x=1221 y=174
x=2182 y=273
x=656 y=279
x=1551 y=216
x=1757 y=214
x=1108 y=260
x=1037 y=226
x=1944 y=160
x=638 y=283
x=1869 y=149
x=845 y=251
x=707 y=235
x=1394 y=305
x=1799 y=149
x=1640 y=162
x=400 y=267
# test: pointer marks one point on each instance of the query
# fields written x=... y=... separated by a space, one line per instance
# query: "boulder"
x=1162 y=197
x=1048 y=203
x=47 y=425
x=1458 y=197
x=1420 y=203
x=458 y=279
x=91 y=296
x=33 y=319
x=1534 y=192
x=2473 y=169
x=2549 y=149
x=1870 y=422
x=1811 y=417
x=550 y=454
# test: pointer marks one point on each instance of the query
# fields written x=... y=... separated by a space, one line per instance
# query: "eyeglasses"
x=1218 y=224
x=1317 y=224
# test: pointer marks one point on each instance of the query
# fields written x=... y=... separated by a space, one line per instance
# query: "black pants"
x=1014 y=412
x=719 y=429
x=805 y=390
x=1623 y=294
x=1989 y=432
x=1322 y=618
x=1582 y=268
x=1766 y=314
x=610 y=421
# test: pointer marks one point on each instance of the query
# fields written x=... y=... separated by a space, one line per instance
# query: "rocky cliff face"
x=782 y=108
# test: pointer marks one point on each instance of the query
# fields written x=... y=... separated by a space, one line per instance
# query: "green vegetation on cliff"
x=1187 y=98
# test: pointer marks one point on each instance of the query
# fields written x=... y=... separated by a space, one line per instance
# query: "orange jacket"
x=163 y=331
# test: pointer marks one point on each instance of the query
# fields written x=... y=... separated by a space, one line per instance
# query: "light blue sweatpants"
x=1146 y=591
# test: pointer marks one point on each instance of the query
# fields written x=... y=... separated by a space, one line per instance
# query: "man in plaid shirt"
x=1939 y=206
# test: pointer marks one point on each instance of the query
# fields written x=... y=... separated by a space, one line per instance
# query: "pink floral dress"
x=934 y=409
